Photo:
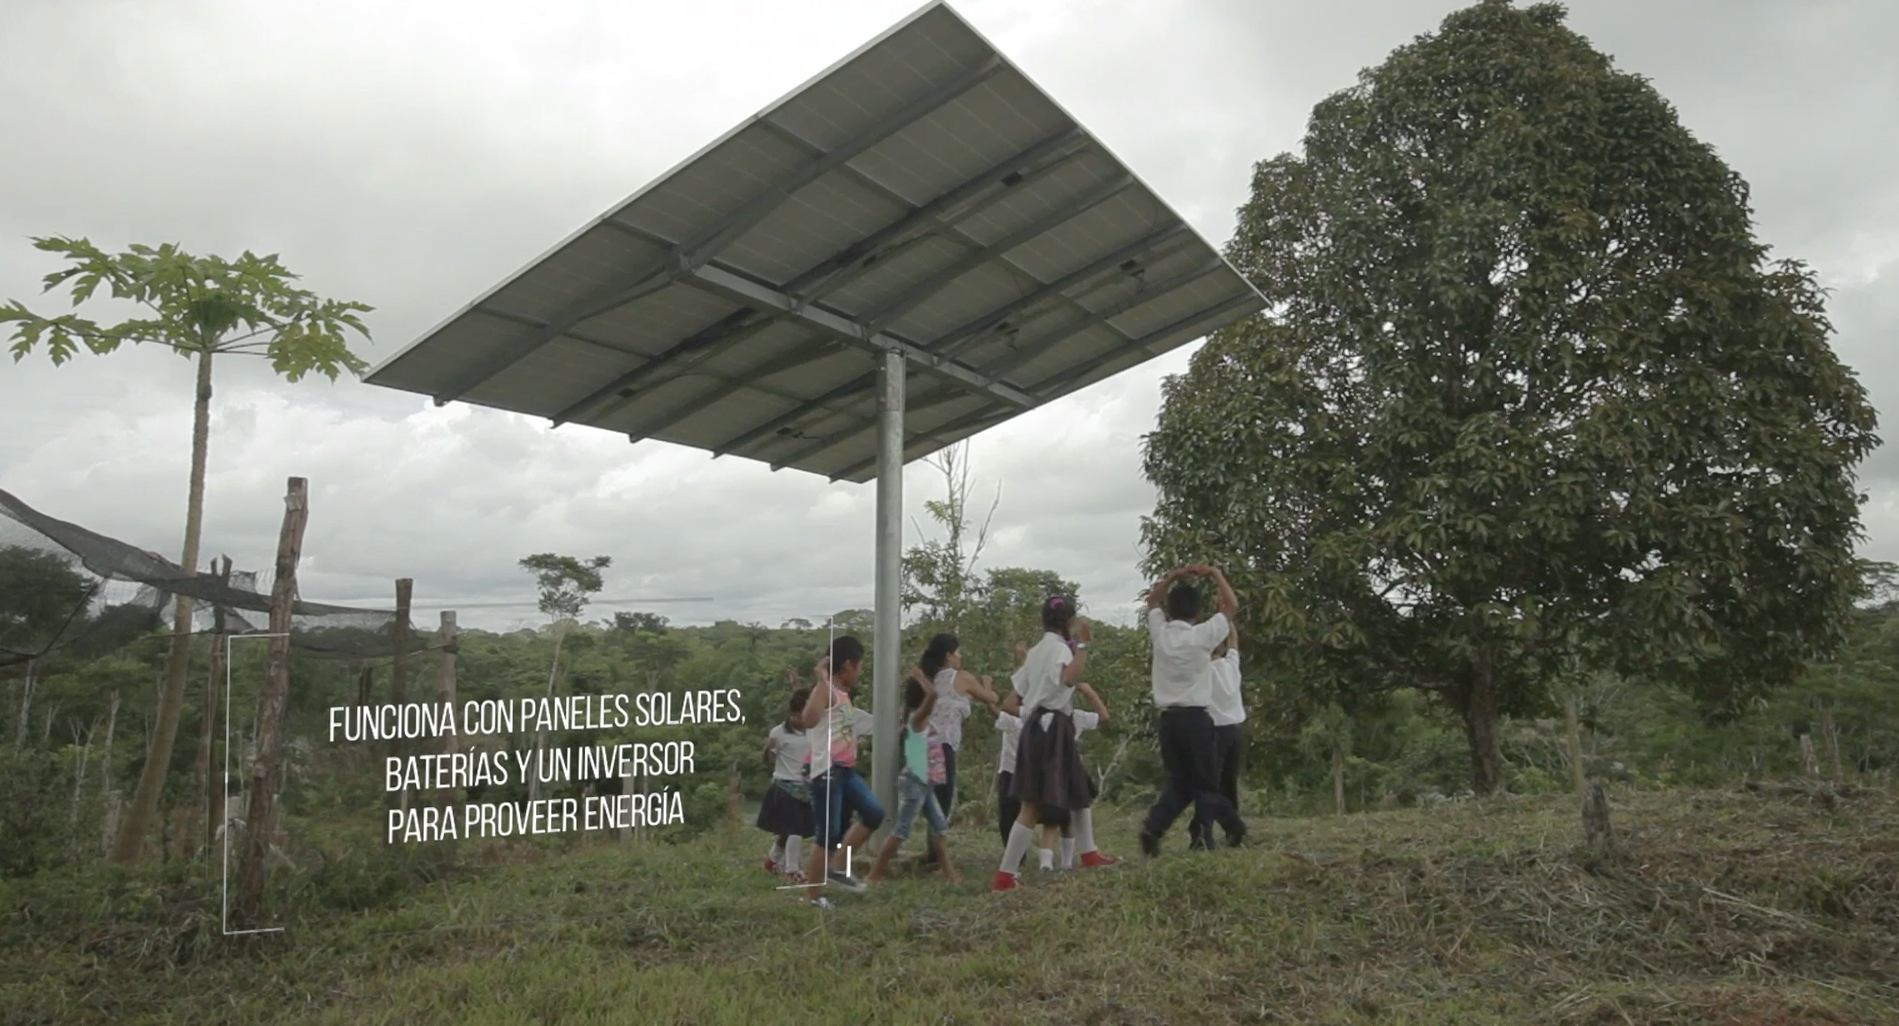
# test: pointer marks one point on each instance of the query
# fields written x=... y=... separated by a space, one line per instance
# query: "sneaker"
x=1150 y=845
x=771 y=864
x=845 y=880
x=1005 y=881
x=1095 y=860
x=820 y=903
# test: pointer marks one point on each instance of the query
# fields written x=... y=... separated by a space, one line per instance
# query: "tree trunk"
x=445 y=694
x=108 y=788
x=26 y=707
x=1577 y=779
x=1480 y=728
x=131 y=840
x=534 y=779
x=79 y=778
x=270 y=712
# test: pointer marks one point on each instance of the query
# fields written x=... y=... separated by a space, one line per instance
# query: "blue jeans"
x=833 y=793
x=914 y=796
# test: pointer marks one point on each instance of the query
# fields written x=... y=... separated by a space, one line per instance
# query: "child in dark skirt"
x=786 y=811
x=1048 y=769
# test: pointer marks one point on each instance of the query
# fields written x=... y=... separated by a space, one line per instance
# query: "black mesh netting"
x=64 y=587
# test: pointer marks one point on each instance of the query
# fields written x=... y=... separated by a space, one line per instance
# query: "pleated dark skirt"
x=1048 y=769
x=785 y=812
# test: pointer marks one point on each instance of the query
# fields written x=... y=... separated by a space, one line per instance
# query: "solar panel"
x=922 y=195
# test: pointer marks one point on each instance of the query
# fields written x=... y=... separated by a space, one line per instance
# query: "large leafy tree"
x=200 y=308
x=1529 y=398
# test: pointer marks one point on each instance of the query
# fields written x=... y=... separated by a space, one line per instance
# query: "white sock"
x=777 y=853
x=1020 y=837
x=792 y=851
x=1047 y=858
x=1068 y=853
x=1084 y=830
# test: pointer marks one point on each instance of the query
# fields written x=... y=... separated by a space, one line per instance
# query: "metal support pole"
x=886 y=666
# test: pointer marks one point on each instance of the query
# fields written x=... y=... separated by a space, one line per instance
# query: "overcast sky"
x=410 y=155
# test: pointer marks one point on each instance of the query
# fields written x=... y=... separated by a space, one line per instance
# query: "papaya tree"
x=1529 y=397
x=566 y=585
x=200 y=307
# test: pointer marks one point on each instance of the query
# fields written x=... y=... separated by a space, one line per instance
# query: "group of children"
x=1044 y=790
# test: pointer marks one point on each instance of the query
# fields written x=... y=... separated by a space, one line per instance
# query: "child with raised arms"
x=922 y=769
x=836 y=788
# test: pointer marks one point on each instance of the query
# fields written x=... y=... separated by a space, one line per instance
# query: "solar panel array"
x=922 y=195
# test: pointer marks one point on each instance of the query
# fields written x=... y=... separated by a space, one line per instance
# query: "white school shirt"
x=1227 y=709
x=790 y=752
x=1183 y=658
x=1009 y=729
x=1039 y=679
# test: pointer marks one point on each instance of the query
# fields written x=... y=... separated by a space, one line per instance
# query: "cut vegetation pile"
x=1771 y=905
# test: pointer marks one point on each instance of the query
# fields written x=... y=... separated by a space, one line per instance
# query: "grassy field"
x=1730 y=907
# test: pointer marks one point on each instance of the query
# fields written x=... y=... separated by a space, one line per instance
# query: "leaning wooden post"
x=270 y=709
x=445 y=695
x=1598 y=834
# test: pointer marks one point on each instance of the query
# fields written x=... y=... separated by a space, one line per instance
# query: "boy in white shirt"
x=1183 y=691
x=1229 y=733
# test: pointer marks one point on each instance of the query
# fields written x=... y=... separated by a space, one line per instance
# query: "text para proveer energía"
x=531 y=715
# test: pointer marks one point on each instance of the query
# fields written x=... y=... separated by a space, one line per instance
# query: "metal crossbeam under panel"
x=915 y=246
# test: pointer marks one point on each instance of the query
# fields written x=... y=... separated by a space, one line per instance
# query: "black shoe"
x=1150 y=845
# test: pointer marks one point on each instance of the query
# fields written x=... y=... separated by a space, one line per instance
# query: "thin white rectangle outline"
x=225 y=827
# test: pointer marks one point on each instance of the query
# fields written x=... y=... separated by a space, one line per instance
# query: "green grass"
x=1730 y=907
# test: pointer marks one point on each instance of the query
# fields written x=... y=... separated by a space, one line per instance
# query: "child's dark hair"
x=799 y=698
x=1183 y=601
x=913 y=695
x=1057 y=613
x=845 y=648
x=937 y=654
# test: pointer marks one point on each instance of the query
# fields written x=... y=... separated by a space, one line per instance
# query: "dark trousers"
x=1190 y=754
x=1230 y=742
x=1007 y=808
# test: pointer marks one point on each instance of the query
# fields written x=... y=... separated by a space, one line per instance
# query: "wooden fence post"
x=445 y=695
x=270 y=712
x=1807 y=761
x=1831 y=733
x=399 y=671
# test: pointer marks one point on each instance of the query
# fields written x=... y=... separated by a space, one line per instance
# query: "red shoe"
x=771 y=865
x=1095 y=860
x=1005 y=881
